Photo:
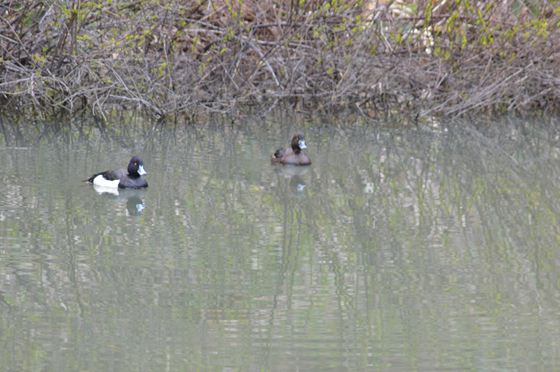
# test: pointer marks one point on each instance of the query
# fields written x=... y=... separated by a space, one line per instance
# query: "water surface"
x=401 y=248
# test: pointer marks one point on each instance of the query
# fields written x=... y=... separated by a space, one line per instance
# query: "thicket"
x=447 y=57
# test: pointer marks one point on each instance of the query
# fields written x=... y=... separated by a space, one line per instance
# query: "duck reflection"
x=295 y=175
x=134 y=204
x=102 y=190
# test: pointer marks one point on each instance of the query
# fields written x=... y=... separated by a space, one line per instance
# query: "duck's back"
x=111 y=175
x=282 y=153
x=288 y=156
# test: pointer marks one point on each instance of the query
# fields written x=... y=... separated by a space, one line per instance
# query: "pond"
x=432 y=247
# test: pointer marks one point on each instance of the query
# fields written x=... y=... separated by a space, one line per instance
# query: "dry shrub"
x=432 y=57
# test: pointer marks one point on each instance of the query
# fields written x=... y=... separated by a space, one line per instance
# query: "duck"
x=292 y=155
x=130 y=178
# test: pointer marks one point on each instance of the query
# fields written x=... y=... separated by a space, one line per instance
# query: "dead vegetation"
x=169 y=57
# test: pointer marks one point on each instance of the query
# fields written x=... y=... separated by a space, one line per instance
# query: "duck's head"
x=136 y=167
x=298 y=143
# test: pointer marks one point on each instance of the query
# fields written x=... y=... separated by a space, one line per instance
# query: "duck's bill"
x=302 y=144
x=141 y=170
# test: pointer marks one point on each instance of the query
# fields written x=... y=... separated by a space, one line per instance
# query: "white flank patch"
x=101 y=181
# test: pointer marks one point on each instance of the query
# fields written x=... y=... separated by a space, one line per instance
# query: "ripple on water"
x=396 y=250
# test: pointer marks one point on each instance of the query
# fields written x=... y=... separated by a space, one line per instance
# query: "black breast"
x=133 y=182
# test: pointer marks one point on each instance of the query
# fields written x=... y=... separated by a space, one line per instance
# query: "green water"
x=430 y=248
